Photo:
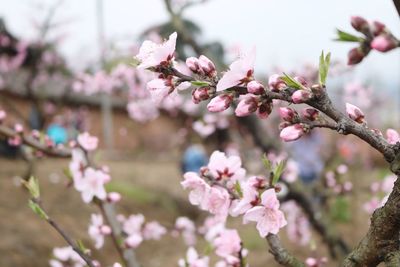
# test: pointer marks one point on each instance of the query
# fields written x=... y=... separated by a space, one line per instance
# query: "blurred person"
x=56 y=131
x=194 y=157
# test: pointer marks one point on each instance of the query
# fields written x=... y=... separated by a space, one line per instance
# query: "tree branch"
x=281 y=255
x=397 y=5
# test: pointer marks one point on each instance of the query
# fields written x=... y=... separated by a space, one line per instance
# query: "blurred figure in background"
x=194 y=157
x=57 y=132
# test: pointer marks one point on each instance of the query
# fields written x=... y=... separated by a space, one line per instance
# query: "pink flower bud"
x=264 y=110
x=3 y=115
x=310 y=114
x=359 y=23
x=255 y=87
x=384 y=43
x=193 y=64
x=355 y=56
x=283 y=125
x=300 y=80
x=105 y=230
x=207 y=66
x=288 y=114
x=292 y=133
x=18 y=128
x=220 y=103
x=246 y=106
x=113 y=197
x=301 y=96
x=354 y=113
x=392 y=136
x=378 y=28
x=200 y=94
x=275 y=82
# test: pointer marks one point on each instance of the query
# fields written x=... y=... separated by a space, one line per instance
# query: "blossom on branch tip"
x=228 y=244
x=154 y=55
x=92 y=184
x=226 y=168
x=354 y=113
x=359 y=23
x=384 y=43
x=240 y=72
x=87 y=141
x=97 y=230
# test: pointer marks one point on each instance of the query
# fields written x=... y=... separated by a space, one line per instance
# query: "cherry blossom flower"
x=97 y=230
x=193 y=259
x=132 y=227
x=217 y=201
x=199 y=188
x=250 y=199
x=227 y=244
x=77 y=166
x=154 y=55
x=133 y=240
x=142 y=110
x=186 y=227
x=87 y=142
x=240 y=72
x=268 y=217
x=92 y=184
x=113 y=197
x=66 y=255
x=392 y=136
x=223 y=167
x=153 y=230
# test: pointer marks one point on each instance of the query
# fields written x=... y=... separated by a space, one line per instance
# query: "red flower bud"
x=355 y=56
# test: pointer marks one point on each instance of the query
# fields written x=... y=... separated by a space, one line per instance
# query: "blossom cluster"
x=222 y=189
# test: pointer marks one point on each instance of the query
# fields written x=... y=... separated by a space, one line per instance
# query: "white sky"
x=285 y=32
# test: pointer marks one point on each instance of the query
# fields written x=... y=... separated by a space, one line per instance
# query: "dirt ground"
x=150 y=186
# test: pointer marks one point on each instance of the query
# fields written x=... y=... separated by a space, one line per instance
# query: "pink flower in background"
x=227 y=244
x=199 y=188
x=223 y=167
x=292 y=133
x=133 y=240
x=268 y=217
x=142 y=110
x=372 y=205
x=133 y=224
x=313 y=262
x=388 y=183
x=87 y=141
x=203 y=129
x=298 y=227
x=3 y=115
x=153 y=55
x=354 y=113
x=113 y=197
x=153 y=230
x=66 y=255
x=193 y=259
x=92 y=184
x=392 y=136
x=217 y=201
x=77 y=165
x=97 y=230
x=187 y=228
x=240 y=72
x=117 y=264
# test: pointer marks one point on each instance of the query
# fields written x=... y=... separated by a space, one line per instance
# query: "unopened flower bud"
x=246 y=106
x=301 y=96
x=207 y=66
x=275 y=82
x=200 y=94
x=300 y=80
x=283 y=125
x=292 y=133
x=220 y=103
x=378 y=28
x=105 y=230
x=355 y=56
x=193 y=64
x=113 y=197
x=359 y=23
x=384 y=43
x=288 y=114
x=255 y=87
x=354 y=113
x=310 y=114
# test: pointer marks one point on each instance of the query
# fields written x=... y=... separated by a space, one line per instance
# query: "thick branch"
x=281 y=255
x=397 y=5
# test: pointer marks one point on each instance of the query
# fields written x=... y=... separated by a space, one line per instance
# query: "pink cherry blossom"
x=113 y=197
x=250 y=199
x=228 y=243
x=223 y=167
x=199 y=188
x=92 y=184
x=97 y=230
x=133 y=224
x=392 y=136
x=142 y=110
x=383 y=43
x=88 y=142
x=203 y=129
x=133 y=240
x=354 y=113
x=217 y=201
x=268 y=217
x=77 y=166
x=153 y=55
x=66 y=255
x=292 y=133
x=187 y=228
x=117 y=264
x=240 y=72
x=153 y=230
x=193 y=259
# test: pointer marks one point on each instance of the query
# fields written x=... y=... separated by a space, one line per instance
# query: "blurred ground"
x=150 y=186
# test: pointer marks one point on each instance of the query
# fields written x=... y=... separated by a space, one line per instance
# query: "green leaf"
x=291 y=82
x=38 y=210
x=267 y=163
x=340 y=210
x=238 y=189
x=33 y=186
x=82 y=247
x=324 y=62
x=347 y=37
x=199 y=83
x=278 y=172
x=135 y=62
